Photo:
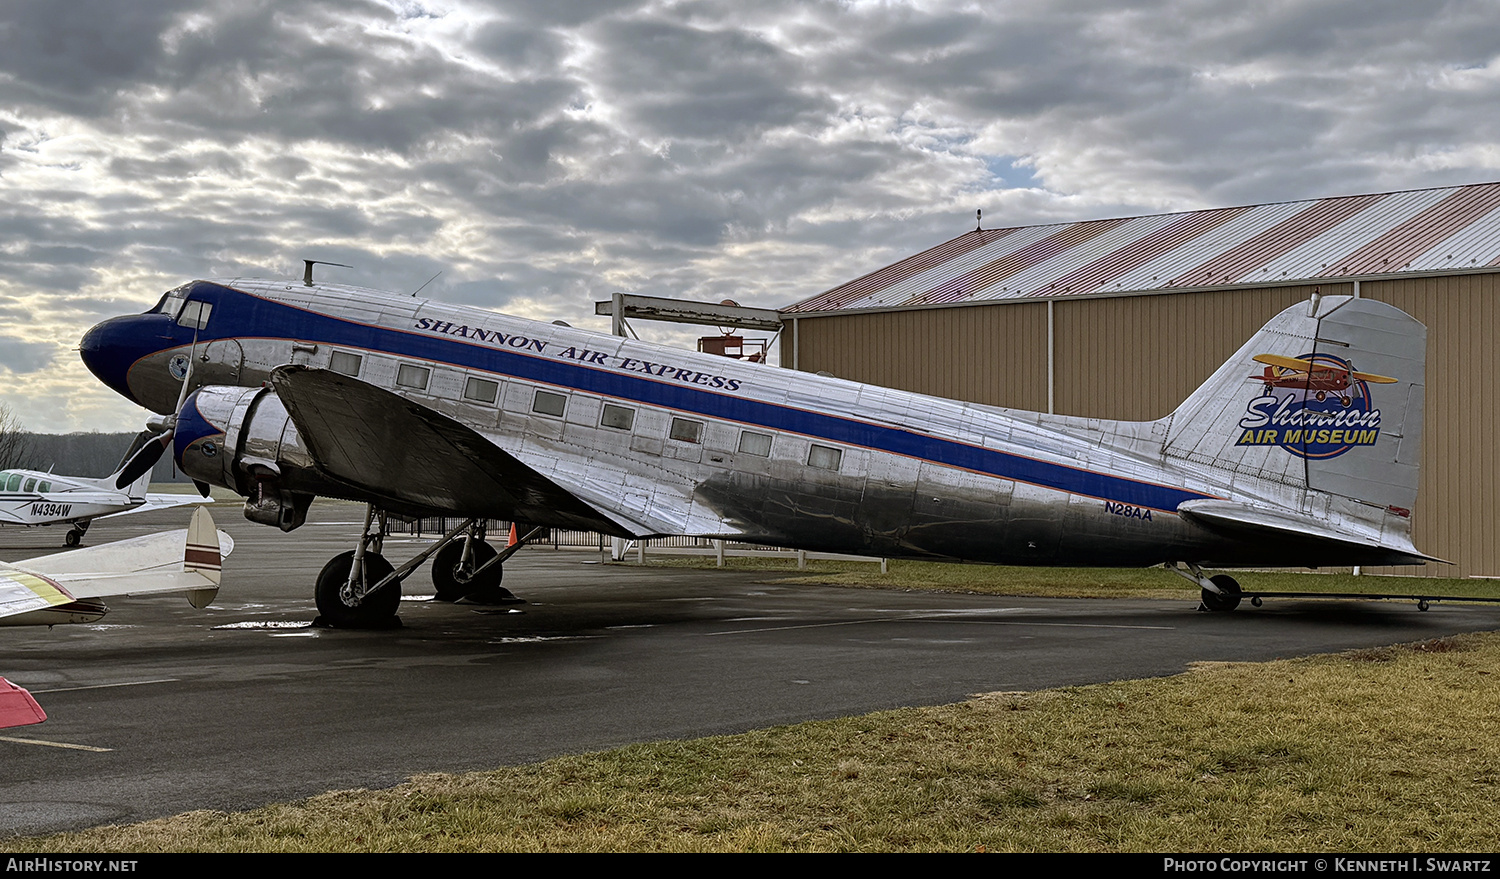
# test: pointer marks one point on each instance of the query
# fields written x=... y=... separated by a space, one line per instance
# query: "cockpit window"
x=14 y=483
x=195 y=314
x=171 y=301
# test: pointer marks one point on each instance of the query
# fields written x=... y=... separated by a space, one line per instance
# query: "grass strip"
x=1074 y=582
x=1385 y=750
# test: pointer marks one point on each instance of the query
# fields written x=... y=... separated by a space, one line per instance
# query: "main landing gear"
x=361 y=590
x=1220 y=593
x=467 y=570
x=75 y=534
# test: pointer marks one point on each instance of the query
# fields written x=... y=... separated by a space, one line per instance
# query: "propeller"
x=160 y=430
x=152 y=443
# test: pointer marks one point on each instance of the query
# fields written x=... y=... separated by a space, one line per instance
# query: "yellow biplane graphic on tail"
x=1314 y=406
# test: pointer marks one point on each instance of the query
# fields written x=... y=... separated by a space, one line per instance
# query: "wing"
x=22 y=592
x=172 y=561
x=161 y=502
x=412 y=458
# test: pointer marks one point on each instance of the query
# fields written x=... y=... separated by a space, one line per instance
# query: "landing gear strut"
x=359 y=589
x=468 y=570
x=1221 y=592
x=75 y=534
x=1228 y=596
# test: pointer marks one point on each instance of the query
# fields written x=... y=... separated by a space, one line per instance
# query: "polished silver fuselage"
x=914 y=476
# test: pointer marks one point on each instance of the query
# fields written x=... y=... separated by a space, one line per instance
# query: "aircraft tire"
x=73 y=537
x=1229 y=600
x=446 y=580
x=377 y=611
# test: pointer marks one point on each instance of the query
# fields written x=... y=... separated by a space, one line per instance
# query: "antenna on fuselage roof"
x=307 y=280
x=429 y=281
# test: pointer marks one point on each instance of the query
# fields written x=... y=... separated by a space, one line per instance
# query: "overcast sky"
x=544 y=155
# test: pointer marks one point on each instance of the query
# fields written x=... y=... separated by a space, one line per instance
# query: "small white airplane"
x=71 y=587
x=420 y=408
x=31 y=498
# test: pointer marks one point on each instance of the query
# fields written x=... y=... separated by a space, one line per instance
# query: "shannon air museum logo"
x=1314 y=406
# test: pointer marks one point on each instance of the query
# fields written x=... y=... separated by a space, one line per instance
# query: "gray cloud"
x=20 y=356
x=544 y=155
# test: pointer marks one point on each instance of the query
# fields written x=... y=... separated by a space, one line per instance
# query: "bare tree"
x=15 y=442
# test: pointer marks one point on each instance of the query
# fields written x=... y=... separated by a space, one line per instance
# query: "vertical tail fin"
x=1326 y=397
x=200 y=554
x=133 y=476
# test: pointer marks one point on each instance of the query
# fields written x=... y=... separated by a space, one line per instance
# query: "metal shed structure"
x=1122 y=318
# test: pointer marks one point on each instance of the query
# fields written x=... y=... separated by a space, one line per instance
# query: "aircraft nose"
x=110 y=348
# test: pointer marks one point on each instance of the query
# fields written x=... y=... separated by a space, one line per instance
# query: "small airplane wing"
x=1298 y=364
x=172 y=561
x=413 y=458
x=1255 y=522
x=23 y=592
x=161 y=501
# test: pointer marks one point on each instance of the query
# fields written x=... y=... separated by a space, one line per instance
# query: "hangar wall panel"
x=980 y=354
x=1457 y=515
x=1135 y=358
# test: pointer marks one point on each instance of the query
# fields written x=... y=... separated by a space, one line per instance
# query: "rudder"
x=1327 y=396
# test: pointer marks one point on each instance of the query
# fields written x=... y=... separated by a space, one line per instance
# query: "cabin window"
x=548 y=403
x=44 y=487
x=14 y=483
x=752 y=443
x=617 y=417
x=344 y=362
x=195 y=314
x=481 y=390
x=687 y=431
x=409 y=376
x=824 y=457
x=30 y=484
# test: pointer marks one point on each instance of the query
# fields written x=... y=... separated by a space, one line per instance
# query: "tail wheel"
x=452 y=583
x=376 y=611
x=1228 y=598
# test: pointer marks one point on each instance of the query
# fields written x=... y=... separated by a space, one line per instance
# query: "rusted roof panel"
x=1393 y=233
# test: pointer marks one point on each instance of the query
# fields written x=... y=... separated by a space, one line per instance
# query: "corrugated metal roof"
x=1422 y=230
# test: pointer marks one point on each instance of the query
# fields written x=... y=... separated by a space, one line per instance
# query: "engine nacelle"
x=243 y=439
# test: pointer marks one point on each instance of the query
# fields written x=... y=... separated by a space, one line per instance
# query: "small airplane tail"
x=186 y=561
x=1320 y=413
x=137 y=487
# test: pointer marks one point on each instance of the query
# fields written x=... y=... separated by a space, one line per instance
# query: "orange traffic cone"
x=512 y=540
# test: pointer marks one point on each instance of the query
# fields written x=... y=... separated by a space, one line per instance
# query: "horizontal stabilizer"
x=1252 y=522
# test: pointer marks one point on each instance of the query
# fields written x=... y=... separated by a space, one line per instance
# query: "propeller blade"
x=143 y=460
x=202 y=488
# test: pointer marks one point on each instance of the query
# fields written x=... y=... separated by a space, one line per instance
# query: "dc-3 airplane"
x=30 y=497
x=420 y=408
x=71 y=587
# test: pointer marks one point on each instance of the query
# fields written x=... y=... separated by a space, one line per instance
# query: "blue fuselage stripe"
x=247 y=316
